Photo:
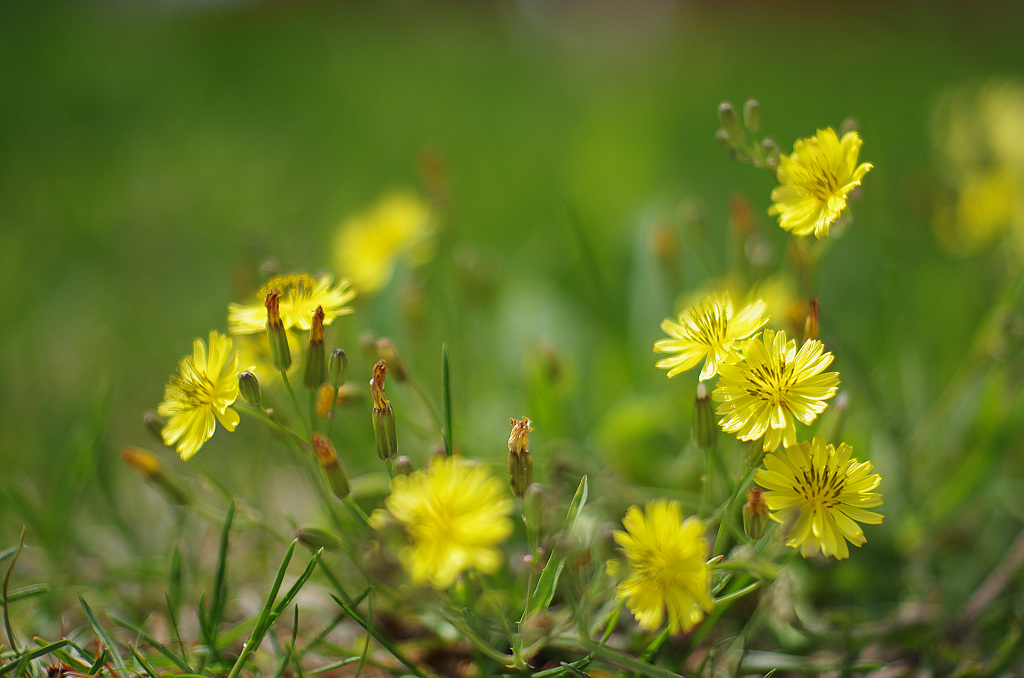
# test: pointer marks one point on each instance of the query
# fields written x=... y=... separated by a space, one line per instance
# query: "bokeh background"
x=155 y=155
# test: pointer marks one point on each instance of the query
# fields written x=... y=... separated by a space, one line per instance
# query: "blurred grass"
x=153 y=154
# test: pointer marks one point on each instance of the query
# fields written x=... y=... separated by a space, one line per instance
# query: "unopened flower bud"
x=752 y=116
x=520 y=463
x=730 y=123
x=324 y=400
x=154 y=424
x=811 y=324
x=317 y=537
x=383 y=415
x=533 y=506
x=249 y=387
x=703 y=428
x=316 y=357
x=403 y=466
x=150 y=467
x=280 y=355
x=337 y=479
x=755 y=514
x=337 y=365
x=388 y=352
x=722 y=137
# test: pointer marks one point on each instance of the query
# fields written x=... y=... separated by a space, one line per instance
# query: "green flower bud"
x=337 y=365
x=403 y=466
x=249 y=387
x=316 y=358
x=703 y=428
x=154 y=424
x=755 y=514
x=730 y=123
x=383 y=415
x=520 y=463
x=317 y=537
x=280 y=355
x=752 y=116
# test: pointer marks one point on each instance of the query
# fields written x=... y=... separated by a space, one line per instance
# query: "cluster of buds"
x=520 y=463
x=383 y=415
x=742 y=141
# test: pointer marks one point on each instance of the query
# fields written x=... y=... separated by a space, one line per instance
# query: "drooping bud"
x=811 y=324
x=730 y=123
x=150 y=467
x=403 y=466
x=755 y=514
x=383 y=415
x=324 y=400
x=337 y=479
x=703 y=428
x=316 y=355
x=752 y=116
x=388 y=352
x=337 y=365
x=520 y=463
x=249 y=387
x=317 y=537
x=280 y=355
x=154 y=424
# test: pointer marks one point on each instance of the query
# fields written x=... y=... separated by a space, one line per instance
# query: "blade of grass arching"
x=102 y=634
x=27 y=592
x=548 y=581
x=18 y=667
x=173 y=618
x=330 y=667
x=446 y=401
x=323 y=634
x=289 y=654
x=34 y=654
x=563 y=669
x=289 y=596
x=11 y=639
x=150 y=671
x=579 y=673
x=180 y=662
x=219 y=586
x=262 y=622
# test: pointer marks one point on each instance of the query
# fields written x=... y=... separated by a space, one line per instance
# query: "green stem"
x=295 y=402
x=737 y=493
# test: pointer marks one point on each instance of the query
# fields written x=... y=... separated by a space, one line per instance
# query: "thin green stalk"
x=11 y=639
x=312 y=411
x=295 y=402
x=626 y=661
x=652 y=650
x=422 y=395
x=446 y=401
x=270 y=421
x=737 y=493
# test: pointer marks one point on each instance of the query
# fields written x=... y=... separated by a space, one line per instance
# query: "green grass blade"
x=219 y=586
x=160 y=647
x=102 y=634
x=27 y=592
x=446 y=401
x=548 y=581
x=11 y=639
x=34 y=654
x=142 y=662
x=330 y=667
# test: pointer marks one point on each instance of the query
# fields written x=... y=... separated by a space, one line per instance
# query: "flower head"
x=369 y=244
x=200 y=395
x=299 y=295
x=773 y=387
x=814 y=181
x=668 y=572
x=709 y=330
x=455 y=514
x=817 y=493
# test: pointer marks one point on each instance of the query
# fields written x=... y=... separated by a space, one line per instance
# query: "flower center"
x=295 y=286
x=823 y=486
x=196 y=387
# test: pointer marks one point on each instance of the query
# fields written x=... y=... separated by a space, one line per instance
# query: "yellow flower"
x=300 y=295
x=200 y=395
x=817 y=492
x=772 y=387
x=668 y=572
x=455 y=514
x=709 y=330
x=814 y=182
x=369 y=244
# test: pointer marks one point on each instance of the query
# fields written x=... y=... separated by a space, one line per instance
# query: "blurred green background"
x=153 y=155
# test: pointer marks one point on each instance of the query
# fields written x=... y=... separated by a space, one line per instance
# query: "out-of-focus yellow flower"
x=814 y=181
x=200 y=395
x=300 y=294
x=668 y=572
x=709 y=330
x=773 y=387
x=369 y=244
x=254 y=352
x=819 y=494
x=455 y=513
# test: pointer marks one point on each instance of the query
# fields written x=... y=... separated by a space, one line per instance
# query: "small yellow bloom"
x=814 y=181
x=773 y=387
x=300 y=294
x=668 y=572
x=455 y=514
x=200 y=395
x=369 y=244
x=817 y=493
x=709 y=330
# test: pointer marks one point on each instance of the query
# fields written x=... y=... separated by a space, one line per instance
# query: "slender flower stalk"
x=709 y=330
x=773 y=387
x=819 y=494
